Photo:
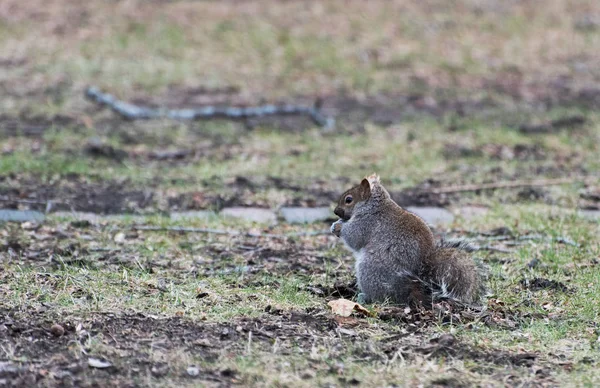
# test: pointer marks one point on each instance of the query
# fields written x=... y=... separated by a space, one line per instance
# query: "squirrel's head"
x=368 y=187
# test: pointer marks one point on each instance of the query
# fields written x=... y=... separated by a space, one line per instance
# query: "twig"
x=495 y=238
x=493 y=249
x=227 y=232
x=528 y=237
x=104 y=249
x=136 y=112
x=513 y=184
x=559 y=239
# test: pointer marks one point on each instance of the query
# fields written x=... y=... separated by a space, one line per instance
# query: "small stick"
x=26 y=201
x=227 y=232
x=493 y=249
x=504 y=185
x=529 y=237
x=136 y=112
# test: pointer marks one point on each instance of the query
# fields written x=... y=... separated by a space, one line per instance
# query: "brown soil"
x=76 y=193
x=73 y=193
x=129 y=344
x=350 y=112
x=32 y=126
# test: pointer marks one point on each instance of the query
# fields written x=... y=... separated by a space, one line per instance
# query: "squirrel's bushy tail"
x=453 y=274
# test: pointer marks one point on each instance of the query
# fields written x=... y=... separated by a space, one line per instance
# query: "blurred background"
x=482 y=116
x=426 y=93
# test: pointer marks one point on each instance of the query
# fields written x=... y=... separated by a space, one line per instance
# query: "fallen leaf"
x=345 y=307
x=347 y=321
x=203 y=342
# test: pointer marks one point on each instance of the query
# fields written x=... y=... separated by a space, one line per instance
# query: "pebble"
x=99 y=364
x=193 y=371
x=191 y=215
x=57 y=330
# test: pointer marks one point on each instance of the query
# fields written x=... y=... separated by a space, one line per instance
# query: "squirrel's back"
x=408 y=226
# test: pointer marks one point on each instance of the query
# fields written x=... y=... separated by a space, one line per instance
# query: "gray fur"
x=397 y=258
x=458 y=244
x=439 y=286
x=387 y=257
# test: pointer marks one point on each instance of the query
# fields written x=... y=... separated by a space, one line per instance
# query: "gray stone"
x=98 y=364
x=590 y=214
x=95 y=218
x=192 y=215
x=9 y=215
x=432 y=215
x=304 y=215
x=253 y=214
x=193 y=371
x=79 y=216
x=135 y=218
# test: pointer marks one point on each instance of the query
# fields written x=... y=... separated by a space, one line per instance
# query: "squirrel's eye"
x=348 y=199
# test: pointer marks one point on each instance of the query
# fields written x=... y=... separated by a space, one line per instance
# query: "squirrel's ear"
x=365 y=188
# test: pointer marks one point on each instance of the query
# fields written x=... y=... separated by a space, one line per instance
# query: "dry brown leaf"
x=347 y=321
x=345 y=307
x=342 y=307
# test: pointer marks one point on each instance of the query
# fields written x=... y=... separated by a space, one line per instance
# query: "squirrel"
x=397 y=257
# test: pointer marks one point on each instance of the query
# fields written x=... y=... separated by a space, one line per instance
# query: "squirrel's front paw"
x=362 y=298
x=336 y=228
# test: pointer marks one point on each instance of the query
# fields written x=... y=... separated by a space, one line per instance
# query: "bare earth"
x=429 y=94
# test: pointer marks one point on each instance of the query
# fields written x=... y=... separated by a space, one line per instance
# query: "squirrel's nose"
x=339 y=212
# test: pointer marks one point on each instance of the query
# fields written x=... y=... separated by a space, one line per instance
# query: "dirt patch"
x=243 y=192
x=126 y=343
x=32 y=126
x=521 y=152
x=567 y=122
x=352 y=113
x=349 y=112
x=77 y=193
x=74 y=193
x=129 y=347
x=186 y=96
x=590 y=199
x=255 y=258
x=533 y=194
x=341 y=289
x=96 y=148
x=539 y=284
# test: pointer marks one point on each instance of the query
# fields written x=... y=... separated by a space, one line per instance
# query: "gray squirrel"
x=397 y=257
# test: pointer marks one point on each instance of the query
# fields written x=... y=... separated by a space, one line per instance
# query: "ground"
x=428 y=94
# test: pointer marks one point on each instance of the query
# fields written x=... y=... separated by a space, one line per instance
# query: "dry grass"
x=275 y=49
x=482 y=67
